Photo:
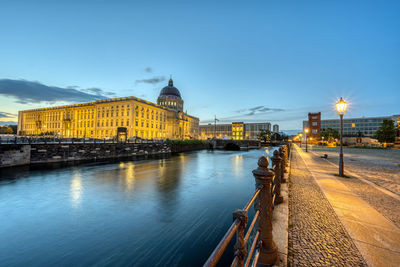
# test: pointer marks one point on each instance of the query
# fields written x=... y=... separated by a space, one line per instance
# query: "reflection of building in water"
x=169 y=182
x=237 y=164
x=235 y=130
x=102 y=118
x=76 y=190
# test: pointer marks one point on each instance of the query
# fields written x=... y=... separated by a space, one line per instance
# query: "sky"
x=251 y=61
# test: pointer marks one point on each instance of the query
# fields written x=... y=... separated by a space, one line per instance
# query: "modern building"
x=367 y=126
x=132 y=116
x=235 y=130
x=275 y=128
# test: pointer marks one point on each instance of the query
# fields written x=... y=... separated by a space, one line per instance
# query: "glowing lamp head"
x=306 y=130
x=341 y=106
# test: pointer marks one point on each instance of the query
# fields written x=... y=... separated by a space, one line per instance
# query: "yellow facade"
x=102 y=118
x=238 y=130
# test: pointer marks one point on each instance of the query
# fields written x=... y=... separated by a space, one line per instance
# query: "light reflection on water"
x=157 y=212
x=76 y=189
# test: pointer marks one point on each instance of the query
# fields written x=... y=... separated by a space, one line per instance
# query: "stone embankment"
x=24 y=154
x=15 y=155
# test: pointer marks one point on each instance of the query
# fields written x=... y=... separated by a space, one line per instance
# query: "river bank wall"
x=19 y=154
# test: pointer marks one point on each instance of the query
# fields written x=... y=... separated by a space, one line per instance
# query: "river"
x=157 y=212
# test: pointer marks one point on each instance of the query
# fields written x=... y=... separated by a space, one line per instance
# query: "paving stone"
x=316 y=235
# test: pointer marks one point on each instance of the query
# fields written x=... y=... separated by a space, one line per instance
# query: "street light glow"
x=341 y=106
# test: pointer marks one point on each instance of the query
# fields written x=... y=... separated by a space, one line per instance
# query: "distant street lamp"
x=301 y=138
x=341 y=107
x=306 y=132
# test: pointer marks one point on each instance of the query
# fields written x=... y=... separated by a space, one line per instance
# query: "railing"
x=49 y=140
x=263 y=249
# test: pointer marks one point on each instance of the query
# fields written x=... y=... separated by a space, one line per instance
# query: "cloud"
x=254 y=114
x=148 y=70
x=258 y=110
x=98 y=91
x=7 y=115
x=27 y=92
x=153 y=80
x=6 y=123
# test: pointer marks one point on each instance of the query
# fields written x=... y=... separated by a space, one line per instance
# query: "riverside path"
x=330 y=223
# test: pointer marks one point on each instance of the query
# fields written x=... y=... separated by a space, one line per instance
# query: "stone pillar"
x=276 y=161
x=283 y=164
x=263 y=176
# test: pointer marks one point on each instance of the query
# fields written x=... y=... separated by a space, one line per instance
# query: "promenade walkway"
x=329 y=224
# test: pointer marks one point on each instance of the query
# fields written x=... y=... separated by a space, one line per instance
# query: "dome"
x=170 y=90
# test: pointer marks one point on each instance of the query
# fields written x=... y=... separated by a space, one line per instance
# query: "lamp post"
x=301 y=138
x=341 y=107
x=306 y=132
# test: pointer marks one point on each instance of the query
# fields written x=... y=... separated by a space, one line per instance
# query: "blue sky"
x=226 y=57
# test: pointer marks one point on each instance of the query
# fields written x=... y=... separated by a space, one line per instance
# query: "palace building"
x=108 y=118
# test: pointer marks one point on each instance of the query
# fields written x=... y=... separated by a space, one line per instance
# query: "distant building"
x=235 y=130
x=276 y=128
x=314 y=124
x=132 y=116
x=367 y=126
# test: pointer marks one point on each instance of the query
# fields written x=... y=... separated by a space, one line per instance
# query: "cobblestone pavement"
x=316 y=236
x=377 y=171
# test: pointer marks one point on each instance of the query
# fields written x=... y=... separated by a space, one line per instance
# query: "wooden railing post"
x=276 y=161
x=240 y=246
x=263 y=176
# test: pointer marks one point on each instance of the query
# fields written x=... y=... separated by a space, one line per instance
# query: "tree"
x=386 y=132
x=329 y=134
x=264 y=135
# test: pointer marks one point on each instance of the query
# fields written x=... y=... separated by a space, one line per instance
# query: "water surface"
x=161 y=212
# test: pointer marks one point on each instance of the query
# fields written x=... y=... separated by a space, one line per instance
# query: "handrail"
x=251 y=226
x=253 y=245
x=220 y=249
x=251 y=201
x=268 y=195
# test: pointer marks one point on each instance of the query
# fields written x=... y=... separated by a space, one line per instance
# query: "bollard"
x=276 y=161
x=240 y=247
x=282 y=156
x=263 y=176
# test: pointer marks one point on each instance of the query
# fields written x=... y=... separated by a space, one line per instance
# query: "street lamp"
x=341 y=107
x=306 y=132
x=301 y=138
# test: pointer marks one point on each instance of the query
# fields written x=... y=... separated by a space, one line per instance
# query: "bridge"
x=233 y=144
